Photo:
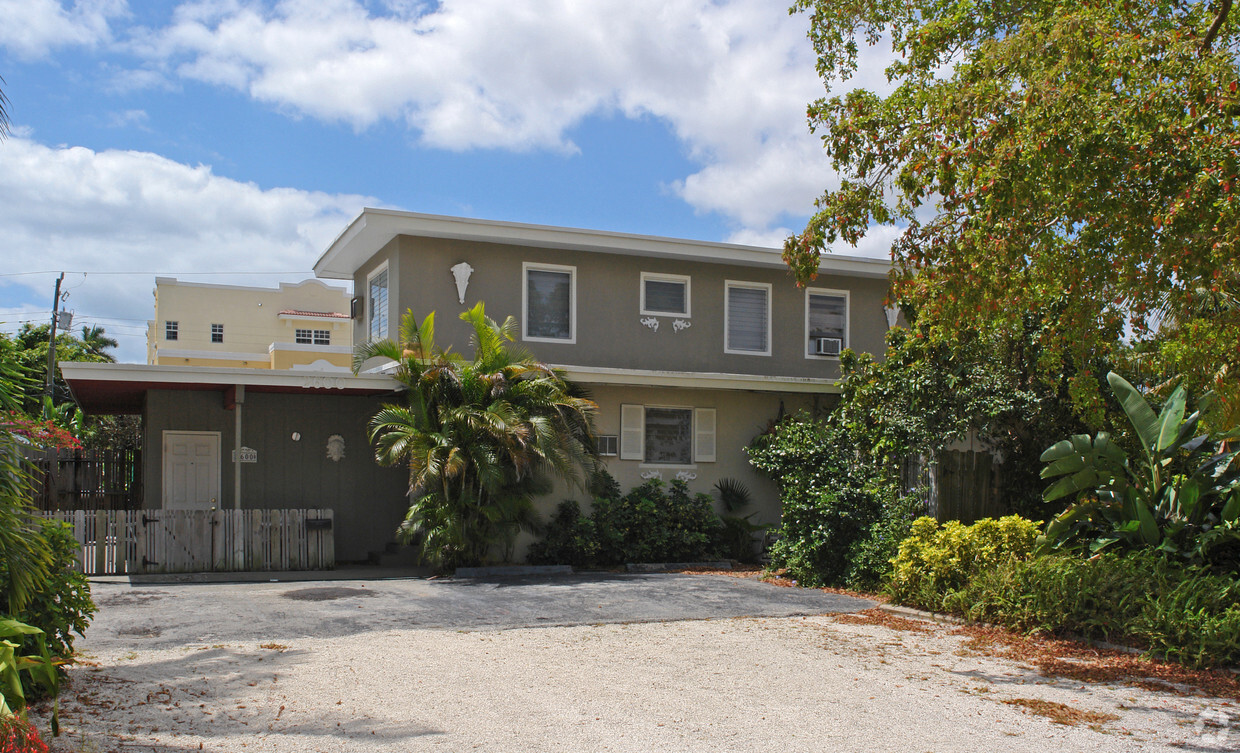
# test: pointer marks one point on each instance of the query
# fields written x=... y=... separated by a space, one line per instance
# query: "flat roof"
x=374 y=228
x=121 y=387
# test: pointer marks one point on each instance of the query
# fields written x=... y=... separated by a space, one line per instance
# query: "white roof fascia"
x=223 y=376
x=174 y=282
x=698 y=380
x=374 y=228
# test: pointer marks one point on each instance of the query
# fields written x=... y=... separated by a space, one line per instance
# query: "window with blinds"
x=665 y=295
x=748 y=318
x=377 y=305
x=549 y=302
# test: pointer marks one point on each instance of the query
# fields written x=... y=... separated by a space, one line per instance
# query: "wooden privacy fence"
x=960 y=485
x=126 y=542
x=86 y=479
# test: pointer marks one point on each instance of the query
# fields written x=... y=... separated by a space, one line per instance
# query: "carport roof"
x=121 y=387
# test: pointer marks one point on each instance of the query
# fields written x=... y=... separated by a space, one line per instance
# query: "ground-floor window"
x=667 y=435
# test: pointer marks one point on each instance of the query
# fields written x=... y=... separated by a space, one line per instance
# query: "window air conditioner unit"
x=827 y=346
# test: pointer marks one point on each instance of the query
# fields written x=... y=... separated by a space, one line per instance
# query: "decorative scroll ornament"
x=335 y=448
x=652 y=323
x=685 y=475
x=680 y=324
x=647 y=475
x=462 y=272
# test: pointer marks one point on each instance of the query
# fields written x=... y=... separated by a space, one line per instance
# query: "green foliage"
x=733 y=495
x=829 y=500
x=870 y=557
x=477 y=436
x=61 y=605
x=654 y=522
x=738 y=537
x=1183 y=613
x=936 y=560
x=19 y=669
x=926 y=393
x=1054 y=154
x=1183 y=499
x=569 y=539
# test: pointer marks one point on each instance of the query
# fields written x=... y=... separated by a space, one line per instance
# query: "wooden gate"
x=71 y=480
x=122 y=542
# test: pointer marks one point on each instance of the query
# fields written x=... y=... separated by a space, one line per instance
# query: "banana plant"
x=1181 y=496
x=41 y=667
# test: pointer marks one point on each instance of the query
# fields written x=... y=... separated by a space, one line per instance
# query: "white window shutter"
x=632 y=432
x=704 y=435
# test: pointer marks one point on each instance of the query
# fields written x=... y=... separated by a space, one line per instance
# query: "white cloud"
x=33 y=28
x=731 y=79
x=77 y=210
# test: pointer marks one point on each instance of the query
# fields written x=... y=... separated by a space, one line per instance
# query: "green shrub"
x=829 y=501
x=61 y=605
x=1184 y=613
x=937 y=559
x=870 y=557
x=737 y=538
x=568 y=539
x=655 y=522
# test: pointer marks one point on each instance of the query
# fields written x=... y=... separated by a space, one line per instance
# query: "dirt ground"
x=837 y=681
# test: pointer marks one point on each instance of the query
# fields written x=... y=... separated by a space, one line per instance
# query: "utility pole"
x=51 y=341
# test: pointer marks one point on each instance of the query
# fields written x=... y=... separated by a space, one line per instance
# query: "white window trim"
x=660 y=277
x=728 y=285
x=572 y=301
x=847 y=321
x=637 y=453
x=369 y=304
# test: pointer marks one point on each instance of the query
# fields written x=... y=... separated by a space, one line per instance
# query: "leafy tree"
x=1080 y=157
x=96 y=342
x=478 y=435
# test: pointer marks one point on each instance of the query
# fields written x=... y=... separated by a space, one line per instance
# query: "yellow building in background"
x=303 y=326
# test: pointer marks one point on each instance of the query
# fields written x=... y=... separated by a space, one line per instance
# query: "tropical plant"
x=477 y=435
x=23 y=550
x=1182 y=497
x=40 y=667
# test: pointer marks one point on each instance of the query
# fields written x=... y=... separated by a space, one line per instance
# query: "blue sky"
x=229 y=141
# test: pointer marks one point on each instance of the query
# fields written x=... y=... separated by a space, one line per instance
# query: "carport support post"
x=234 y=397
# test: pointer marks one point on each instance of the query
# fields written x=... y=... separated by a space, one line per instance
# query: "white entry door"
x=191 y=470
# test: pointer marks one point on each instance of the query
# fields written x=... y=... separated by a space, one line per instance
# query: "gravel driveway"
x=611 y=663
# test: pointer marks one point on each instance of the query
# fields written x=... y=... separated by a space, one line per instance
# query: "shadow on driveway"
x=158 y=616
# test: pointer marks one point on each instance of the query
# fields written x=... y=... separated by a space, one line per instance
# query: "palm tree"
x=479 y=435
x=23 y=549
x=95 y=342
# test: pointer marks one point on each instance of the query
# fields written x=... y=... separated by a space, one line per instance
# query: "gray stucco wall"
x=609 y=329
x=369 y=500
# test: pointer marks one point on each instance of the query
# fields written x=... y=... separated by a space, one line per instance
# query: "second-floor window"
x=826 y=322
x=377 y=305
x=171 y=330
x=313 y=336
x=217 y=333
x=550 y=299
x=747 y=316
x=665 y=295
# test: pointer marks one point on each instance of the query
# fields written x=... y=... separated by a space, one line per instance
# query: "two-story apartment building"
x=689 y=348
x=303 y=325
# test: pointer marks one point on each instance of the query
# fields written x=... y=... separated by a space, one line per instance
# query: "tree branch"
x=1212 y=33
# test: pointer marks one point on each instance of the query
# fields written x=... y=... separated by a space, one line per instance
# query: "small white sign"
x=247 y=455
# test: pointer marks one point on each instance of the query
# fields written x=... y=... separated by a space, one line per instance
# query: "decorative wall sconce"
x=462 y=272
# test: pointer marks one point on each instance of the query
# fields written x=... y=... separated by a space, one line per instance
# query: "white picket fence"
x=122 y=542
